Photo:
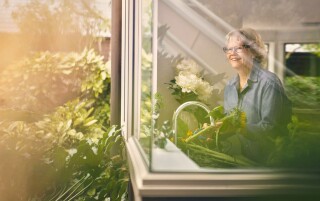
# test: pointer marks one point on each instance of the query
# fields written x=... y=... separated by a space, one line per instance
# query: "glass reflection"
x=146 y=76
x=193 y=67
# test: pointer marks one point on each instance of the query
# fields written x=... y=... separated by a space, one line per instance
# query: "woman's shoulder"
x=269 y=77
x=233 y=80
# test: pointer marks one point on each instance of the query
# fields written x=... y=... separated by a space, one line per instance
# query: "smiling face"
x=239 y=56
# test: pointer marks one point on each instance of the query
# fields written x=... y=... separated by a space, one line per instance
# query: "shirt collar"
x=253 y=77
x=254 y=74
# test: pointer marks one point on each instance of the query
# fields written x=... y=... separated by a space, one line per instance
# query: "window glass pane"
x=302 y=83
x=146 y=75
x=193 y=67
x=302 y=59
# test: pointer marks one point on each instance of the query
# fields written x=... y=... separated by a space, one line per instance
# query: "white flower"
x=190 y=79
x=204 y=90
x=188 y=65
x=187 y=81
x=162 y=135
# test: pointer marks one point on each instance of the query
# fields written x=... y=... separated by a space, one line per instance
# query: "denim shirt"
x=267 y=108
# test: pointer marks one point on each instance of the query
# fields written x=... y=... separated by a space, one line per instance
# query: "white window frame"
x=222 y=182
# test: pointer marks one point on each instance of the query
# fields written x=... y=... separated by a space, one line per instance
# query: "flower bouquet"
x=203 y=145
x=189 y=83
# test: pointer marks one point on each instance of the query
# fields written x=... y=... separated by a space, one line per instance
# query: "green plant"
x=313 y=48
x=91 y=171
x=299 y=149
x=304 y=92
x=45 y=80
x=50 y=25
x=189 y=83
x=203 y=145
x=72 y=152
x=234 y=121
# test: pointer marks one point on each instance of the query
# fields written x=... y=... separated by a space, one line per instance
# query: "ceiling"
x=268 y=14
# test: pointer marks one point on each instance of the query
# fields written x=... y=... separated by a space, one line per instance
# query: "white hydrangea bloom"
x=190 y=80
x=188 y=65
x=187 y=81
x=204 y=90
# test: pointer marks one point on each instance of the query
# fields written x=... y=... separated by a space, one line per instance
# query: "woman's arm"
x=273 y=111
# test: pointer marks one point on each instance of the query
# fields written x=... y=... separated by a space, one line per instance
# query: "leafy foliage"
x=44 y=80
x=71 y=153
x=91 y=171
x=299 y=149
x=304 y=92
x=313 y=48
x=203 y=145
x=233 y=121
x=46 y=23
x=180 y=96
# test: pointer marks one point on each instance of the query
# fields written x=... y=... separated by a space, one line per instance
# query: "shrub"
x=71 y=152
x=304 y=92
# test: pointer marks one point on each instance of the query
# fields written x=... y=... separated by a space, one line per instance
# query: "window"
x=302 y=59
x=179 y=74
x=191 y=66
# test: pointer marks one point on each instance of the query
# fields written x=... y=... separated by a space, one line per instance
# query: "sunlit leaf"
x=90 y=122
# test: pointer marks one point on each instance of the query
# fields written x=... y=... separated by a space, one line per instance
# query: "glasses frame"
x=236 y=49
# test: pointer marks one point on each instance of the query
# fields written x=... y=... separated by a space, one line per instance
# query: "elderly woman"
x=256 y=91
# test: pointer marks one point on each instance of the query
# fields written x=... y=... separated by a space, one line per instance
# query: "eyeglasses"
x=236 y=49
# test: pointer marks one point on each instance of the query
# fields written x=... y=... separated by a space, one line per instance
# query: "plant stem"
x=221 y=156
x=203 y=131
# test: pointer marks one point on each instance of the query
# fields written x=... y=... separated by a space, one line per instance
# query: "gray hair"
x=253 y=39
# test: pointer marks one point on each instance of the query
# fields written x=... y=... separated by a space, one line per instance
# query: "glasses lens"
x=225 y=49
x=235 y=49
x=238 y=49
x=230 y=50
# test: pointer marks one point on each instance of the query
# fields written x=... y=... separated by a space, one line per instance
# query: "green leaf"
x=123 y=188
x=91 y=192
x=60 y=157
x=90 y=122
